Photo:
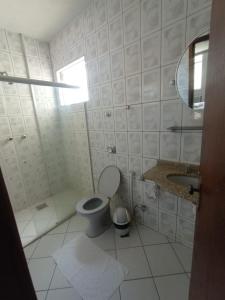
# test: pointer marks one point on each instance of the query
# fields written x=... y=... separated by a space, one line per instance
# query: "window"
x=74 y=74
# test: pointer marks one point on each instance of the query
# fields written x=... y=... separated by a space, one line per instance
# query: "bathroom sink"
x=184 y=180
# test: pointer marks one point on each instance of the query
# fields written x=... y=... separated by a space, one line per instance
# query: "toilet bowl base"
x=98 y=223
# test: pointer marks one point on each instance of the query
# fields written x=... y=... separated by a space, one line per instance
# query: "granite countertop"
x=159 y=174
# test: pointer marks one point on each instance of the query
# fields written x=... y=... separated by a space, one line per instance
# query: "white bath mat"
x=94 y=274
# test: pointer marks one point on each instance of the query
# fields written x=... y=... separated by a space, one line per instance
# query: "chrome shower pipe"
x=11 y=79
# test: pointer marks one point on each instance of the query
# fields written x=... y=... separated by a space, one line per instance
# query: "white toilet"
x=96 y=208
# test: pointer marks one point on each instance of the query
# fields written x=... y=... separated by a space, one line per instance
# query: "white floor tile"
x=77 y=223
x=135 y=261
x=163 y=260
x=151 y=237
x=41 y=295
x=24 y=215
x=133 y=240
x=70 y=236
x=111 y=252
x=38 y=222
x=185 y=255
x=28 y=250
x=142 y=289
x=29 y=230
x=21 y=225
x=59 y=281
x=26 y=240
x=60 y=229
x=105 y=241
x=174 y=287
x=63 y=294
x=116 y=295
x=47 y=245
x=41 y=271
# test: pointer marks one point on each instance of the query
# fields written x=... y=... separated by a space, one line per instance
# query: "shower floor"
x=34 y=221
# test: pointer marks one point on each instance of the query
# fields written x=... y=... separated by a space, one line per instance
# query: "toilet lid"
x=109 y=181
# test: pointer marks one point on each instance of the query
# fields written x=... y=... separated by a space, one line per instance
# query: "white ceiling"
x=40 y=19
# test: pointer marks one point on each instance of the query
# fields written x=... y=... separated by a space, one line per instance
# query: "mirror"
x=192 y=72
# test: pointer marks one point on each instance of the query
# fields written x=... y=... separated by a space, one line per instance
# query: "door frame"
x=208 y=266
x=16 y=281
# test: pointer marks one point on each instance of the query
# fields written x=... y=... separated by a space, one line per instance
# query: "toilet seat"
x=108 y=184
x=109 y=181
x=81 y=204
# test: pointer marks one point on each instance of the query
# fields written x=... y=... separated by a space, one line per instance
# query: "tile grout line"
x=179 y=260
x=149 y=265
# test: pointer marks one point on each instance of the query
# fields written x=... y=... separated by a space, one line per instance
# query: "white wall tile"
x=116 y=33
x=106 y=95
x=151 y=86
x=173 y=42
x=186 y=209
x=195 y=5
x=173 y=10
x=135 y=165
x=120 y=116
x=92 y=69
x=4 y=127
x=150 y=16
x=133 y=59
x=14 y=42
x=133 y=89
x=167 y=224
x=104 y=68
x=122 y=164
x=135 y=143
x=168 y=89
x=150 y=194
x=191 y=147
x=6 y=63
x=151 y=144
x=108 y=120
x=151 y=116
x=198 y=24
x=91 y=46
x=114 y=8
x=121 y=142
x=103 y=40
x=185 y=232
x=151 y=218
x=117 y=64
x=100 y=9
x=110 y=139
x=118 y=90
x=134 y=118
x=170 y=146
x=170 y=114
x=167 y=202
x=3 y=41
x=148 y=163
x=132 y=25
x=129 y=3
x=151 y=49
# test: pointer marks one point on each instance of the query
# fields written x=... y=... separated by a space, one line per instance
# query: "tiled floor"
x=158 y=269
x=32 y=223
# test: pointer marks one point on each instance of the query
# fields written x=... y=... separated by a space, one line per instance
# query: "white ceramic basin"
x=184 y=180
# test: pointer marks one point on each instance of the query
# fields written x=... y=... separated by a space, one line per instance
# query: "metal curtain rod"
x=12 y=79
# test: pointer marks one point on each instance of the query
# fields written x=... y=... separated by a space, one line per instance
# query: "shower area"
x=44 y=148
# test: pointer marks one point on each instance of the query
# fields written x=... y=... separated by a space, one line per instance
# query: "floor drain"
x=41 y=206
